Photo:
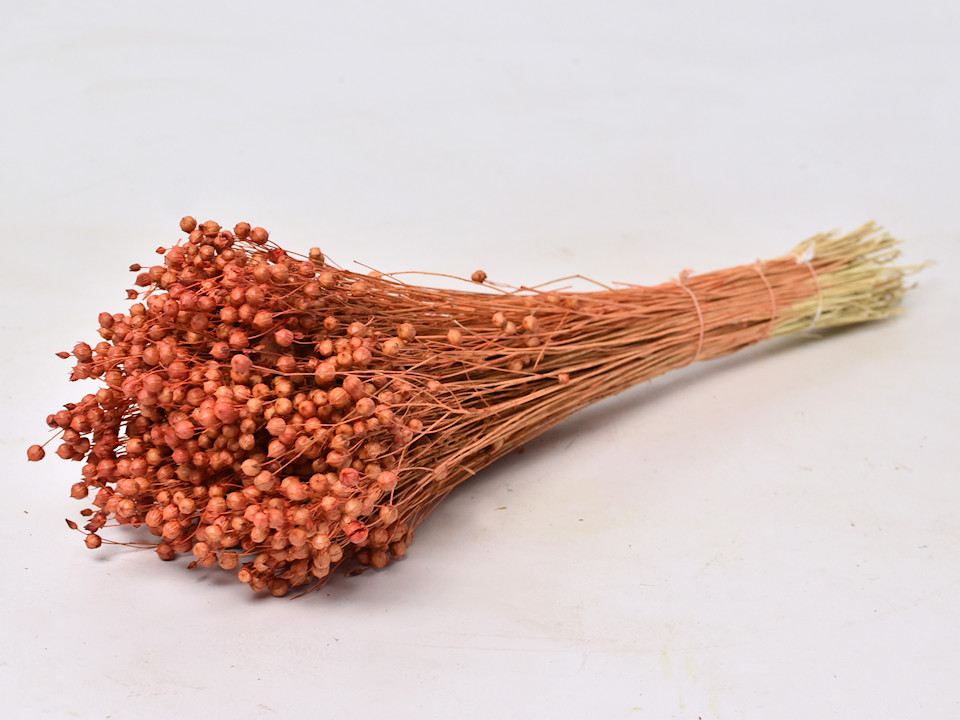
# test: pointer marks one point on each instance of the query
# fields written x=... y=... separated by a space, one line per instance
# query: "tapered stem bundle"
x=281 y=416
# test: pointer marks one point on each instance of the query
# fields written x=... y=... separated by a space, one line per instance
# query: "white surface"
x=773 y=535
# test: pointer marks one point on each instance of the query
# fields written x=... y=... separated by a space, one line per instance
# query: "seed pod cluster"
x=241 y=420
x=279 y=416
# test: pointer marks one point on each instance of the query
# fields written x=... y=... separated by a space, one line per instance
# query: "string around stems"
x=805 y=259
x=681 y=282
x=758 y=267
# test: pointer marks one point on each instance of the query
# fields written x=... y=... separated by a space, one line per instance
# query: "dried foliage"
x=279 y=416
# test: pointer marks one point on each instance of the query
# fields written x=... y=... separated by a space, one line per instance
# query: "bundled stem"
x=593 y=345
x=282 y=416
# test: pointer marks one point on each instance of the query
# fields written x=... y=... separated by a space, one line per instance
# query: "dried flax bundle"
x=280 y=416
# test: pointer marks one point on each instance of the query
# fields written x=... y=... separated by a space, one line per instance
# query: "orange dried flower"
x=280 y=416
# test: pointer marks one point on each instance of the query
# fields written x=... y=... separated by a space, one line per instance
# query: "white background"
x=775 y=535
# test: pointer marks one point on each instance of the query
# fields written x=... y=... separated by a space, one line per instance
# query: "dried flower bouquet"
x=280 y=416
